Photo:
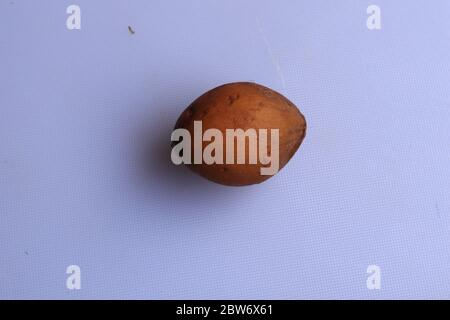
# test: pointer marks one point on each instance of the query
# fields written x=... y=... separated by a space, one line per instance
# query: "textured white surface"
x=85 y=175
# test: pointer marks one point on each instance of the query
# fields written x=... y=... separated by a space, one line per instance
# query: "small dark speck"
x=233 y=98
x=131 y=30
x=26 y=252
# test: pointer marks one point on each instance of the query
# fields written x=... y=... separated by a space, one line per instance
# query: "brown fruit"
x=244 y=105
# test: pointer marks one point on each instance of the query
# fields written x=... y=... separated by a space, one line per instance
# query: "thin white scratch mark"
x=274 y=60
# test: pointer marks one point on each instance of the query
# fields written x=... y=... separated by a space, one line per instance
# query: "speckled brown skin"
x=244 y=105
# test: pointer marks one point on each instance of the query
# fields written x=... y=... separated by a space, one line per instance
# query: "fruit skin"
x=244 y=105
